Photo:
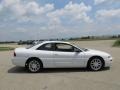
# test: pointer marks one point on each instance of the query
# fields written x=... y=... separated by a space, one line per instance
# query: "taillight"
x=14 y=54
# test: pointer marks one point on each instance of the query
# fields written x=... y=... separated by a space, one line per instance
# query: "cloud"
x=99 y=1
x=34 y=8
x=19 y=8
x=96 y=2
x=30 y=19
x=31 y=11
x=8 y=3
x=1 y=7
x=46 y=21
x=72 y=11
x=108 y=14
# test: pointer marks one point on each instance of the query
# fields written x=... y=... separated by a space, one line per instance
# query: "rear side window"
x=47 y=46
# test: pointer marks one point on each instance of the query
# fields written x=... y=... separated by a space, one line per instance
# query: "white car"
x=59 y=54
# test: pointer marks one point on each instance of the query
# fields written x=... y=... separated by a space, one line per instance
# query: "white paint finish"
x=53 y=59
x=69 y=59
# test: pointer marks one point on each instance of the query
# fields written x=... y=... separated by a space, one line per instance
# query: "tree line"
x=20 y=42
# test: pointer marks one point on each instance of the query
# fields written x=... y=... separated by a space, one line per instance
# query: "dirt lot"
x=17 y=78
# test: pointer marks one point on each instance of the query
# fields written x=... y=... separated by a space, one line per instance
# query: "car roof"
x=55 y=42
x=45 y=42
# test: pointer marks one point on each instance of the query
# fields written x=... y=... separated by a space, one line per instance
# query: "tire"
x=34 y=65
x=95 y=64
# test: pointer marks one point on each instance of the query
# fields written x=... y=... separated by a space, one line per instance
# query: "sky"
x=48 y=19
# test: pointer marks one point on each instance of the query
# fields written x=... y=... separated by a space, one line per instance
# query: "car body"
x=59 y=54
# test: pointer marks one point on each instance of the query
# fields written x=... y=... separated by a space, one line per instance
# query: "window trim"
x=54 y=47
x=65 y=44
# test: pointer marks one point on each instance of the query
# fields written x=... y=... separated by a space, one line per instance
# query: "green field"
x=6 y=48
x=117 y=43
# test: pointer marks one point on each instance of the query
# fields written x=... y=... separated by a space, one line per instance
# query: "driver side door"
x=65 y=56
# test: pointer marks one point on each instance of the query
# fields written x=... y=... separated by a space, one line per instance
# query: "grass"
x=6 y=48
x=117 y=43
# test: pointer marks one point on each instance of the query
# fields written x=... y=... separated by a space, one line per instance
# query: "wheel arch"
x=96 y=56
x=26 y=63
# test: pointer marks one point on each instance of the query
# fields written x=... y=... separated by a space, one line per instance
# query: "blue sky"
x=45 y=19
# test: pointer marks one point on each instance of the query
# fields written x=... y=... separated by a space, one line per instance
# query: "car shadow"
x=21 y=70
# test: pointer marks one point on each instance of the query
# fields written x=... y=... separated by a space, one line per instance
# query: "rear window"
x=30 y=46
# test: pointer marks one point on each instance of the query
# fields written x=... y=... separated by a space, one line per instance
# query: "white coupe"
x=59 y=54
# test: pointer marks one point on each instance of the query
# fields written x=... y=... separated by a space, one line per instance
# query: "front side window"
x=47 y=46
x=64 y=47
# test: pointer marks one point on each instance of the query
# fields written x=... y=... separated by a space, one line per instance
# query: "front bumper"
x=108 y=62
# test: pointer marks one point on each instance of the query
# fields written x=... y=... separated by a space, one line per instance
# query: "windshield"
x=84 y=49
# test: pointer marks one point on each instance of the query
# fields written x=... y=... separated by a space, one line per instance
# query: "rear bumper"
x=19 y=61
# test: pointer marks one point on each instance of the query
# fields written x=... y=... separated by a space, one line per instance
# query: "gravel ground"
x=17 y=78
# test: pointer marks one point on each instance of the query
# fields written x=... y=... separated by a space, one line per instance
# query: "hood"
x=97 y=52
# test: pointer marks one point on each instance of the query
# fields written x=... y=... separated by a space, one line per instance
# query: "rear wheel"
x=95 y=64
x=34 y=65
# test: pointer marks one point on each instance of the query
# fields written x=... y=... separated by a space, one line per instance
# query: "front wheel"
x=34 y=66
x=95 y=64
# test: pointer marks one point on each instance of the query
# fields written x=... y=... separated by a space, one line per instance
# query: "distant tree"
x=119 y=36
x=114 y=36
x=87 y=37
x=70 y=38
x=20 y=42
